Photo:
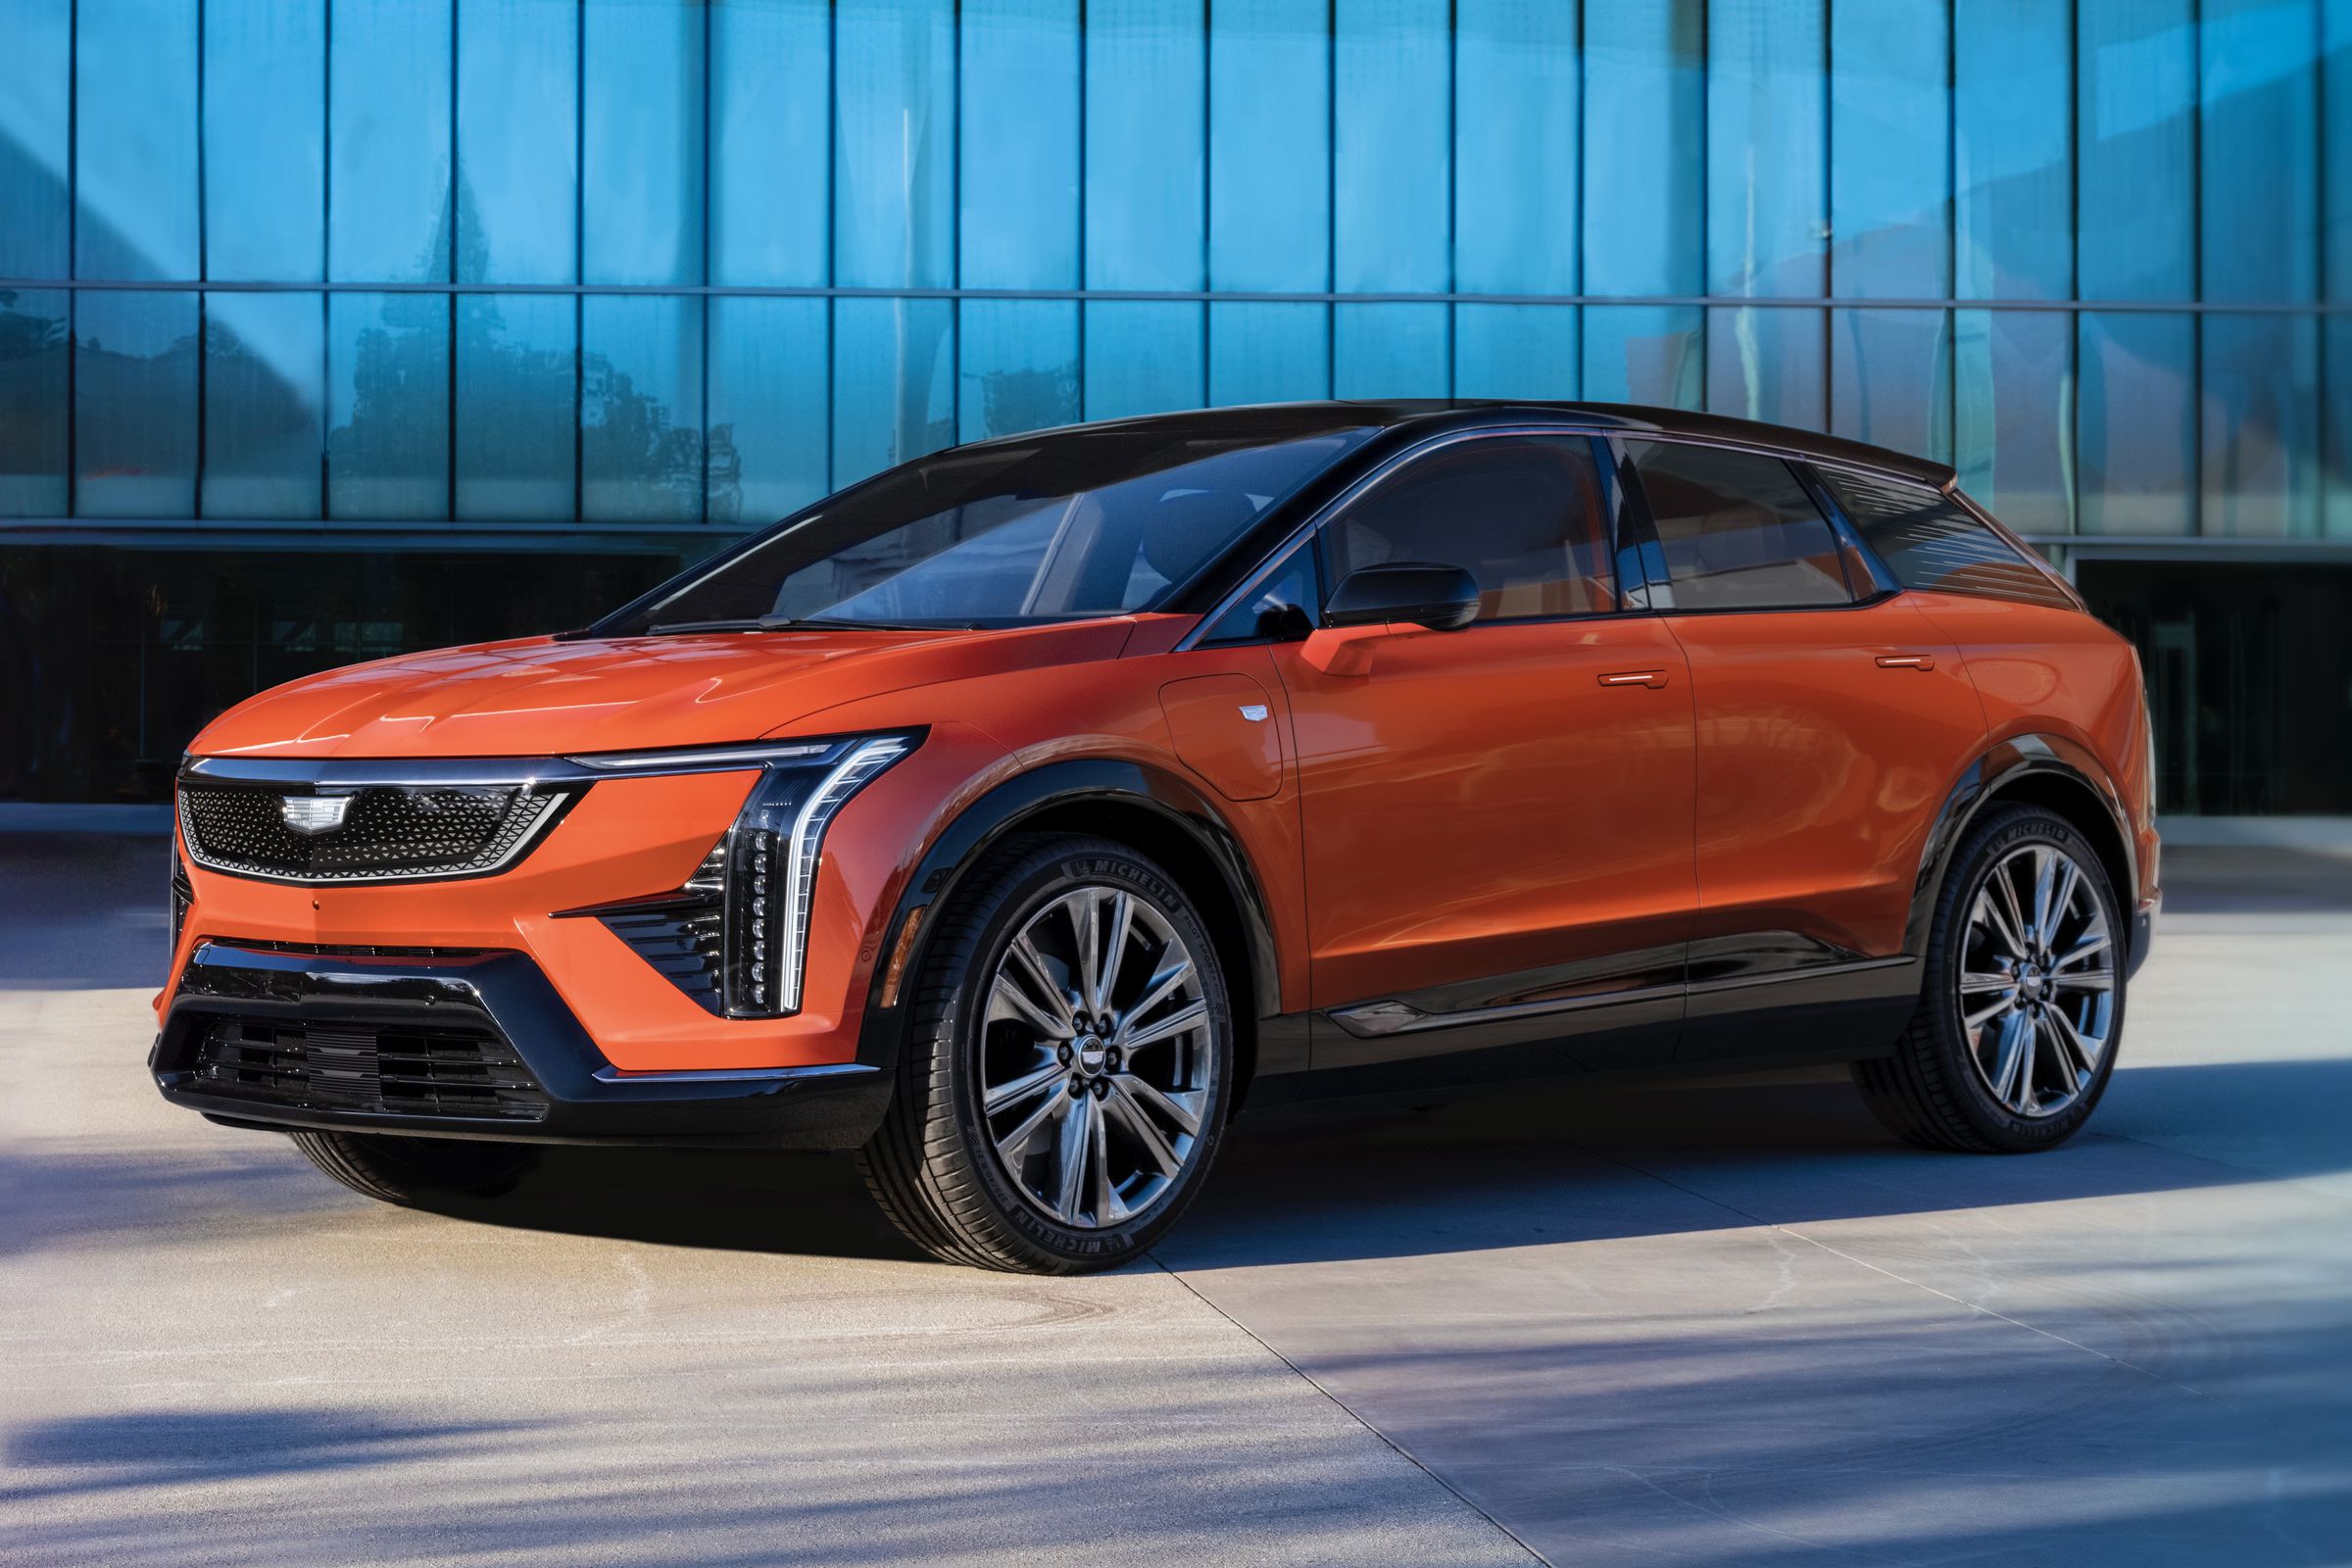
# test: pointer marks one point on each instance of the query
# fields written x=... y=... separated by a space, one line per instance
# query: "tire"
x=935 y=1165
x=2026 y=1077
x=415 y=1172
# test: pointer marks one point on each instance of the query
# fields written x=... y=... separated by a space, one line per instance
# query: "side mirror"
x=1441 y=598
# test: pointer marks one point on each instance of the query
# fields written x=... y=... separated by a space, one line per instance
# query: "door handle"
x=1906 y=662
x=1653 y=678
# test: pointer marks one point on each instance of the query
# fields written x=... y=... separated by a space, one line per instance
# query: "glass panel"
x=1143 y=356
x=264 y=370
x=1767 y=147
x=2139 y=423
x=1019 y=146
x=771 y=105
x=1738 y=532
x=2335 y=133
x=1393 y=155
x=2335 y=434
x=2136 y=140
x=135 y=140
x=1268 y=353
x=1017 y=361
x=34 y=340
x=1645 y=354
x=1645 y=80
x=134 y=405
x=1391 y=351
x=1517 y=88
x=35 y=83
x=1145 y=77
x=770 y=409
x=1889 y=181
x=517 y=144
x=265 y=143
x=1516 y=351
x=643 y=158
x=2261 y=425
x=2258 y=206
x=641 y=409
x=2013 y=69
x=1269 y=146
x=517 y=390
x=1891 y=379
x=388 y=219
x=387 y=414
x=894 y=163
x=2014 y=415
x=893 y=383
x=1766 y=363
x=1282 y=607
x=1930 y=542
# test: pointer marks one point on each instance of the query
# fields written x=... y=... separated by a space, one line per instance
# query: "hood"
x=540 y=697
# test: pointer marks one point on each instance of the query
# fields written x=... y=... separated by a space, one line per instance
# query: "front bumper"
x=346 y=1006
x=2143 y=932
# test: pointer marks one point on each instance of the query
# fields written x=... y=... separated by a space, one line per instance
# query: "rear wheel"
x=410 y=1171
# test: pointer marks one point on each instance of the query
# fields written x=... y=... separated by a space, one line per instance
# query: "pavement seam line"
x=1393 y=1446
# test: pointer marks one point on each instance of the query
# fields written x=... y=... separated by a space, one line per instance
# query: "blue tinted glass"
x=134 y=405
x=771 y=72
x=1391 y=351
x=517 y=144
x=2013 y=157
x=2014 y=382
x=34 y=340
x=2138 y=422
x=1516 y=351
x=2258 y=86
x=1891 y=175
x=893 y=152
x=894 y=383
x=641 y=409
x=35 y=86
x=1517 y=90
x=1767 y=154
x=1017 y=364
x=1143 y=356
x=518 y=364
x=1393 y=163
x=1269 y=146
x=2261 y=431
x=1019 y=145
x=2335 y=430
x=769 y=412
x=2335 y=131
x=388 y=85
x=1891 y=379
x=1268 y=353
x=387 y=406
x=1644 y=204
x=264 y=141
x=2135 y=145
x=642 y=162
x=1645 y=354
x=135 y=129
x=265 y=373
x=1767 y=364
x=1146 y=75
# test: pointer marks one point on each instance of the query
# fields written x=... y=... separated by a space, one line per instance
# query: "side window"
x=1738 y=530
x=1929 y=543
x=1280 y=608
x=1521 y=514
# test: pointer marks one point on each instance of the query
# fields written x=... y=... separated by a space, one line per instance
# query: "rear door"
x=1832 y=720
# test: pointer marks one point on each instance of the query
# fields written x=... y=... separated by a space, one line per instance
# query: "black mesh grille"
x=683 y=938
x=386 y=831
x=452 y=1071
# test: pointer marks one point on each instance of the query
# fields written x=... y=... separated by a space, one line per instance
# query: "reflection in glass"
x=135 y=140
x=134 y=405
x=34 y=340
x=772 y=71
x=2014 y=414
x=388 y=141
x=2258 y=94
x=1269 y=146
x=387 y=410
x=2138 y=422
x=1516 y=351
x=2260 y=460
x=769 y=441
x=1768 y=198
x=265 y=154
x=1392 y=162
x=894 y=389
x=1646 y=215
x=1391 y=351
x=2136 y=133
x=1017 y=363
x=1891 y=379
x=1889 y=178
x=641 y=409
x=893 y=148
x=265 y=361
x=1019 y=144
x=1145 y=67
x=517 y=143
x=1766 y=363
x=1517 y=87
x=517 y=356
x=2335 y=433
x=1144 y=357
x=35 y=82
x=1268 y=353
x=2013 y=216
x=643 y=160
x=1645 y=354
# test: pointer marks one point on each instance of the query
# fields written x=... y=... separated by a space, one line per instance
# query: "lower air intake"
x=471 y=1073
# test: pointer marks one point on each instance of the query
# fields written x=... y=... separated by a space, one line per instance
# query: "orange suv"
x=1015 y=815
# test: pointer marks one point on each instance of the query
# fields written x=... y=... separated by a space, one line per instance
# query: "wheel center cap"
x=2028 y=980
x=1092 y=1054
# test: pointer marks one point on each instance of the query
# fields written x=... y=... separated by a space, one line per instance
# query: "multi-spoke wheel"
x=2022 y=1000
x=1064 y=1080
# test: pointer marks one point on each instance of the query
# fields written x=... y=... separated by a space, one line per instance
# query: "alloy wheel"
x=2037 y=987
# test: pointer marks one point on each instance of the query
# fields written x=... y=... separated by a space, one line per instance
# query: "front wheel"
x=1067 y=1066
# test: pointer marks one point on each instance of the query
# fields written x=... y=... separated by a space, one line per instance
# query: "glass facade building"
x=332 y=328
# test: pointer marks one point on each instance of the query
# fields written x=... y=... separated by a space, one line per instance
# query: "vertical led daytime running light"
x=800 y=858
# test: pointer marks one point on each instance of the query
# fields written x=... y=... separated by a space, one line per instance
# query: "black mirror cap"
x=1422 y=592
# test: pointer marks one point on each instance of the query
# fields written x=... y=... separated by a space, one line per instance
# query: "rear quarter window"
x=1931 y=544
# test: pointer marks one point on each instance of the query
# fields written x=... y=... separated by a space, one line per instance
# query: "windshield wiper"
x=772 y=623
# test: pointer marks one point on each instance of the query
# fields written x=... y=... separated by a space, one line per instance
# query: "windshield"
x=1066 y=525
